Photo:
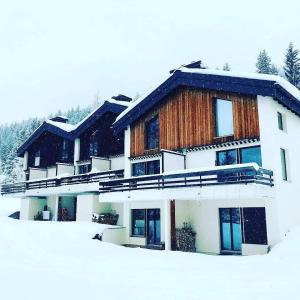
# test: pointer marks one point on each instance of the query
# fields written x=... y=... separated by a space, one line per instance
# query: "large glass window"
x=152 y=133
x=138 y=222
x=228 y=157
x=250 y=155
x=239 y=156
x=223 y=117
x=146 y=168
x=254 y=224
x=283 y=164
x=37 y=158
x=138 y=169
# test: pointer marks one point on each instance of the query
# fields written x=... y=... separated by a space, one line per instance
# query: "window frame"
x=238 y=154
x=37 y=155
x=145 y=166
x=215 y=109
x=284 y=164
x=281 y=121
x=154 y=118
x=132 y=223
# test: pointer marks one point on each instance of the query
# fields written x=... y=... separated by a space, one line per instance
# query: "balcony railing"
x=63 y=181
x=239 y=174
x=13 y=188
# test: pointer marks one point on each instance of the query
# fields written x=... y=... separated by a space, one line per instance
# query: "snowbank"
x=47 y=260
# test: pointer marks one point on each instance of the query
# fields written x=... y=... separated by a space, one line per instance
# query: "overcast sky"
x=59 y=54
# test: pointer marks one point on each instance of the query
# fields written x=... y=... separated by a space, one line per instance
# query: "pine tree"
x=263 y=64
x=292 y=65
x=226 y=67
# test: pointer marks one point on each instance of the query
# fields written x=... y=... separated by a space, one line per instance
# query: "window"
x=94 y=144
x=227 y=157
x=138 y=222
x=65 y=151
x=146 y=168
x=223 y=117
x=242 y=225
x=83 y=169
x=37 y=158
x=239 y=156
x=254 y=224
x=138 y=169
x=280 y=120
x=283 y=164
x=152 y=133
x=250 y=155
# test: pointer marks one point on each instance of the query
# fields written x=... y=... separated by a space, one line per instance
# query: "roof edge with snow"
x=69 y=131
x=226 y=81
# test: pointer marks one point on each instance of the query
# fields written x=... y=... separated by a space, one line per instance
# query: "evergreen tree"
x=292 y=65
x=263 y=64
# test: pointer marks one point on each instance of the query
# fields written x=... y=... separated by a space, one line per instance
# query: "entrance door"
x=153 y=226
x=230 y=227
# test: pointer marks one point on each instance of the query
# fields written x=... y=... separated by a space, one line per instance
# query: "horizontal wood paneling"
x=186 y=119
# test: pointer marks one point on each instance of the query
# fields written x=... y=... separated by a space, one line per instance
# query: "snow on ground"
x=48 y=260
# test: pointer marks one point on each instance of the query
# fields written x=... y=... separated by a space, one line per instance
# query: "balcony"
x=61 y=182
x=243 y=179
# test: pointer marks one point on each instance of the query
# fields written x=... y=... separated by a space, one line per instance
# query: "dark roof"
x=116 y=108
x=264 y=85
x=45 y=127
x=68 y=131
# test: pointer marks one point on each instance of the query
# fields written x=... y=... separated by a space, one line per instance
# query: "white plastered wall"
x=204 y=218
x=117 y=162
x=287 y=201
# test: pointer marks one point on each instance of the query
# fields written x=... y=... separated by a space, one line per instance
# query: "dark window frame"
x=239 y=153
x=215 y=113
x=147 y=138
x=146 y=167
x=94 y=143
x=284 y=167
x=280 y=121
x=133 y=227
x=37 y=154
x=65 y=150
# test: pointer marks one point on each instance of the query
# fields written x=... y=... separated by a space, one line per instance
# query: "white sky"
x=59 y=54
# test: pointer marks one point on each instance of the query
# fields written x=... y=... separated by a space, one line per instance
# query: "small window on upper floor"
x=146 y=168
x=223 y=117
x=281 y=121
x=284 y=167
x=152 y=133
x=94 y=144
x=37 y=158
x=65 y=151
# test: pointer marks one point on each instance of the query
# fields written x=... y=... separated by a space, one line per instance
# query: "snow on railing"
x=237 y=174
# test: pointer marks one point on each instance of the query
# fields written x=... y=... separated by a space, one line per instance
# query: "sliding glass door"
x=230 y=226
x=153 y=226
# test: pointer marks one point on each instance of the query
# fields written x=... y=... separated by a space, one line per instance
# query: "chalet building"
x=212 y=155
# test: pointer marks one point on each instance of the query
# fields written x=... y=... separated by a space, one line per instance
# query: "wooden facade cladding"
x=186 y=119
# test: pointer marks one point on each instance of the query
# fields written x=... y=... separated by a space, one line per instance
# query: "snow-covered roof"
x=64 y=126
x=275 y=78
x=70 y=131
x=247 y=83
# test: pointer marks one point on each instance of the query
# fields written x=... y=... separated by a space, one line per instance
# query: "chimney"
x=121 y=97
x=60 y=119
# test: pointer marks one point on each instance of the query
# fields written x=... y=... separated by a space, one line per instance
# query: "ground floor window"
x=138 y=222
x=242 y=225
x=254 y=225
x=146 y=223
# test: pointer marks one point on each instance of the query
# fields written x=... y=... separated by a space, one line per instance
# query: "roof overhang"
x=223 y=83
